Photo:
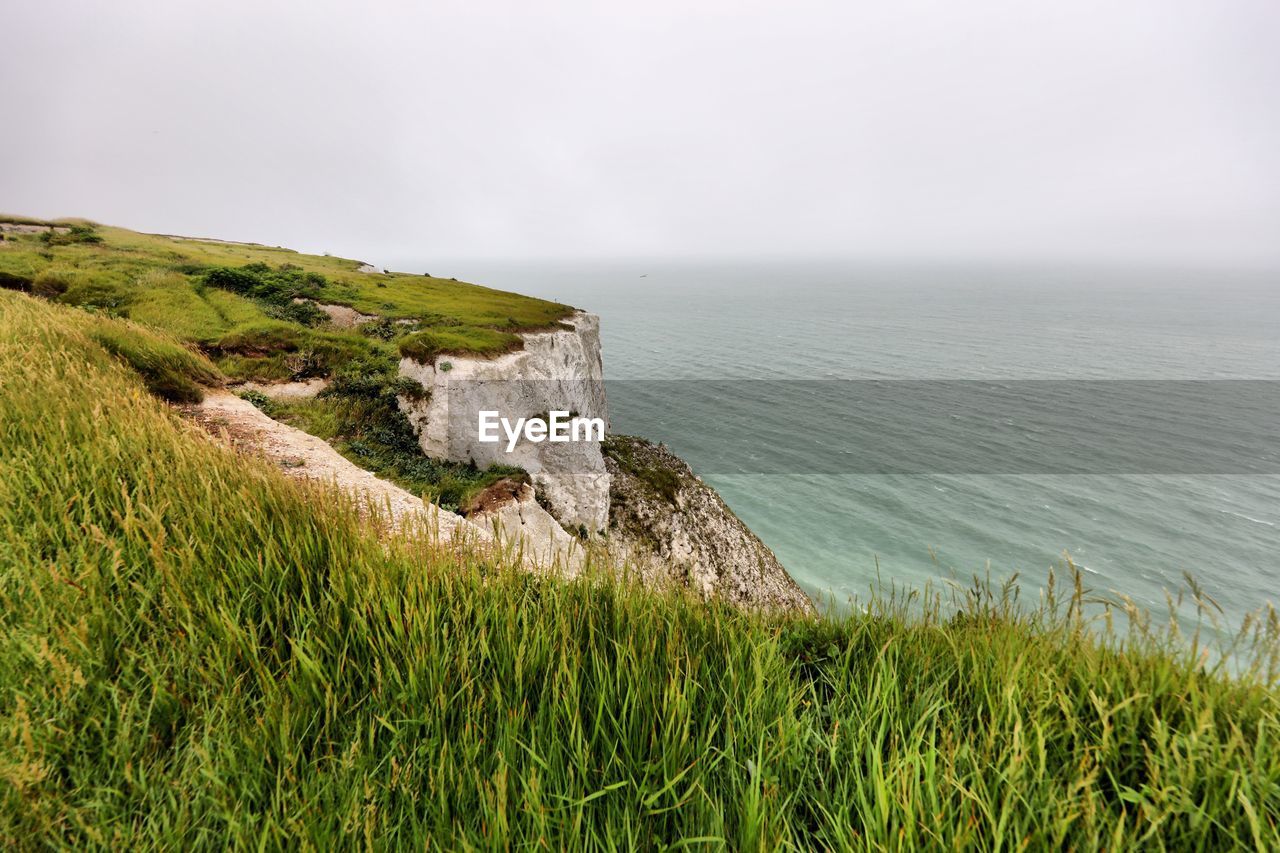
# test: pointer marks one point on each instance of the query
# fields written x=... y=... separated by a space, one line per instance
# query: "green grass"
x=196 y=652
x=278 y=350
x=426 y=345
x=167 y=368
x=248 y=308
x=23 y=220
x=188 y=287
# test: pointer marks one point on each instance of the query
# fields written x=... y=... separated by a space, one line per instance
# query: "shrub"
x=304 y=313
x=410 y=389
x=386 y=329
x=257 y=280
x=261 y=401
x=79 y=233
x=306 y=364
x=236 y=280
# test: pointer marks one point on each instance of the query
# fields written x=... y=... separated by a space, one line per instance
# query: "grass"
x=167 y=368
x=201 y=290
x=427 y=345
x=250 y=309
x=271 y=350
x=197 y=652
x=22 y=220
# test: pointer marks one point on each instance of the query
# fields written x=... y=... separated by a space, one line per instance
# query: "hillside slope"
x=378 y=365
x=195 y=652
x=267 y=315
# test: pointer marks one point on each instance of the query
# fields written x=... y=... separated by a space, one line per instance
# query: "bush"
x=303 y=313
x=236 y=280
x=74 y=234
x=259 y=281
x=260 y=401
x=386 y=329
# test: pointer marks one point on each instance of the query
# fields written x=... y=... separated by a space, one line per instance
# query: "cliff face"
x=661 y=520
x=671 y=526
x=556 y=370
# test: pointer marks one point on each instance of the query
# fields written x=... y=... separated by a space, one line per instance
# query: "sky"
x=991 y=130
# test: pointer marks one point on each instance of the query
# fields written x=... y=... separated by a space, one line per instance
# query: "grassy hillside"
x=236 y=300
x=196 y=652
x=251 y=311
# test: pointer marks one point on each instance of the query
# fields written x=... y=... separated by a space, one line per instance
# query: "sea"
x=906 y=425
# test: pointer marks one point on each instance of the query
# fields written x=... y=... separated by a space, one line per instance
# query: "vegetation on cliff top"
x=239 y=300
x=198 y=652
x=426 y=345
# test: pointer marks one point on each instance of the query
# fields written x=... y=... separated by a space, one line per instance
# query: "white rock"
x=542 y=540
x=556 y=370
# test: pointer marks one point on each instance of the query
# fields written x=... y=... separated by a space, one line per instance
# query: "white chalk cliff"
x=556 y=370
x=661 y=522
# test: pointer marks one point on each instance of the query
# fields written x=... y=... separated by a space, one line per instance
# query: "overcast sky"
x=402 y=132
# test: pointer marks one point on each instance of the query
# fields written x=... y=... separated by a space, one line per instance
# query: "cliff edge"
x=671 y=526
x=643 y=504
x=557 y=369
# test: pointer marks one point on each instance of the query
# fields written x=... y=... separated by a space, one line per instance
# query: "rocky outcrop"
x=671 y=527
x=559 y=369
x=510 y=511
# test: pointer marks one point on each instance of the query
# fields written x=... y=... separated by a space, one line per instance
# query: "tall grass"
x=167 y=368
x=196 y=652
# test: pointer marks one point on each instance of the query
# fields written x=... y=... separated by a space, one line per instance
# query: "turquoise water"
x=835 y=527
